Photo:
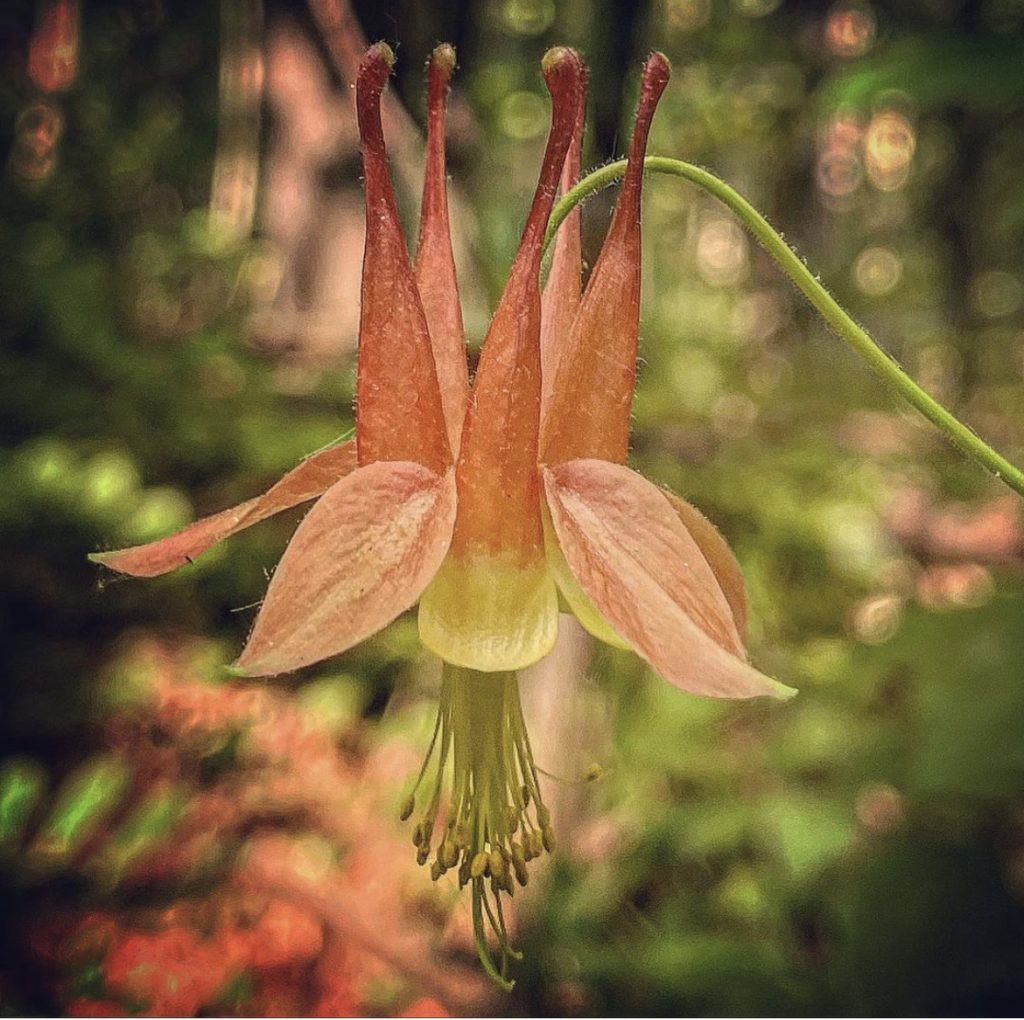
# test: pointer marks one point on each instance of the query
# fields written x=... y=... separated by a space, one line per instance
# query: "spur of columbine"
x=492 y=506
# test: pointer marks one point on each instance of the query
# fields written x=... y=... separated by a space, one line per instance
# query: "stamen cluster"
x=485 y=780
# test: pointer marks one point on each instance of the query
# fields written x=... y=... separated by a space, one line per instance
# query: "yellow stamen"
x=493 y=793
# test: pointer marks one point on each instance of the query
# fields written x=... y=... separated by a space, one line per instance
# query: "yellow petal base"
x=488 y=613
x=577 y=600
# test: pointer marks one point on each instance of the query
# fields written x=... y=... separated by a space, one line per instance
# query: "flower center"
x=496 y=821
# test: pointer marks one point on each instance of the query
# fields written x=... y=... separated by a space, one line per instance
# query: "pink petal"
x=643 y=571
x=435 y=263
x=561 y=298
x=499 y=491
x=719 y=556
x=399 y=414
x=310 y=479
x=364 y=554
x=592 y=394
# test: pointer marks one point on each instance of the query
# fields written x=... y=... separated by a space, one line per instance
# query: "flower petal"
x=635 y=521
x=592 y=395
x=362 y=556
x=499 y=491
x=577 y=601
x=646 y=575
x=719 y=556
x=490 y=613
x=310 y=479
x=561 y=299
x=399 y=415
x=494 y=605
x=435 y=264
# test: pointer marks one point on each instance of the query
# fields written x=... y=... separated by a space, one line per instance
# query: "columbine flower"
x=488 y=505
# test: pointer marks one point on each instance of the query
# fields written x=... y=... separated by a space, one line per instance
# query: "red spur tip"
x=374 y=70
x=435 y=264
x=442 y=60
x=378 y=61
x=565 y=75
x=656 y=74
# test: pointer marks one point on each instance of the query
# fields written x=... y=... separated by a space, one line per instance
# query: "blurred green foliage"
x=860 y=850
x=854 y=853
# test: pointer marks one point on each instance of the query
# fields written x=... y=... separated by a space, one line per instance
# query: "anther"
x=408 y=806
x=479 y=864
x=519 y=864
x=447 y=854
x=499 y=870
x=548 y=837
x=536 y=841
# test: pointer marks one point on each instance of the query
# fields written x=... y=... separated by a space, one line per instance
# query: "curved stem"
x=882 y=363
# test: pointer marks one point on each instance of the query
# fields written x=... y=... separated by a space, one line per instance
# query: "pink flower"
x=488 y=504
x=485 y=505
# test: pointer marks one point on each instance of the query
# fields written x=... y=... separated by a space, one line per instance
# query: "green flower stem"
x=882 y=363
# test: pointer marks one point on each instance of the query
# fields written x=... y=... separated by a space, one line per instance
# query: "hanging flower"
x=486 y=505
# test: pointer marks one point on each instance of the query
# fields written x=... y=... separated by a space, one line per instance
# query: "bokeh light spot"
x=878 y=271
x=889 y=145
x=734 y=415
x=686 y=15
x=955 y=586
x=696 y=378
x=159 y=512
x=53 y=52
x=839 y=173
x=721 y=252
x=850 y=31
x=36 y=134
x=758 y=316
x=50 y=463
x=996 y=293
x=840 y=169
x=877 y=619
x=527 y=17
x=523 y=115
x=110 y=478
x=879 y=808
